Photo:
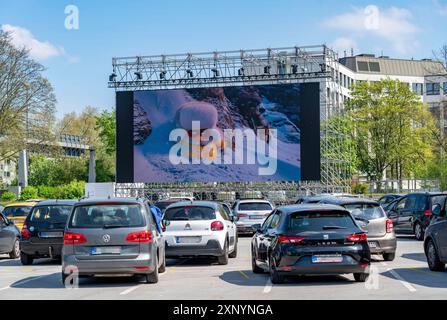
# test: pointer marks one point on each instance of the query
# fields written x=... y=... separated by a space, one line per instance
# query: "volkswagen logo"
x=106 y=238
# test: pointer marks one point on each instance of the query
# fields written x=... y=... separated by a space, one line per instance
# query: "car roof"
x=211 y=204
x=344 y=201
x=310 y=207
x=253 y=200
x=103 y=201
x=56 y=202
x=21 y=204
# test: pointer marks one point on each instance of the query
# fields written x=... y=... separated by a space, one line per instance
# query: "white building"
x=8 y=171
x=425 y=77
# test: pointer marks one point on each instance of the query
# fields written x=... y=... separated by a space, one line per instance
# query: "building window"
x=444 y=88
x=362 y=66
x=418 y=88
x=433 y=89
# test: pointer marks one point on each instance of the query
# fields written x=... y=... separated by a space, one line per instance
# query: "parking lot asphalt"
x=408 y=277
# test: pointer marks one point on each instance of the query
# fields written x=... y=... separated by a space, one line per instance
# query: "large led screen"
x=245 y=133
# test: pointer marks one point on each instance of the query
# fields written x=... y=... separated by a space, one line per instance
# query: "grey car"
x=113 y=237
x=9 y=238
x=372 y=218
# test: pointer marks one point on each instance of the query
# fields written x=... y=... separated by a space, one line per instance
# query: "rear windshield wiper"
x=113 y=226
x=333 y=227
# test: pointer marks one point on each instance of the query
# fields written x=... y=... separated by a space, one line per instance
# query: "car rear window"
x=164 y=204
x=190 y=213
x=365 y=211
x=50 y=214
x=11 y=212
x=105 y=216
x=319 y=221
x=255 y=206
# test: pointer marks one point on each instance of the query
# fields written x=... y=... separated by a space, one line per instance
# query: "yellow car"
x=17 y=212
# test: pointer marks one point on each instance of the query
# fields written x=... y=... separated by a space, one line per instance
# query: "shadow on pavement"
x=260 y=280
x=5 y=262
x=53 y=281
x=415 y=256
x=420 y=276
x=191 y=262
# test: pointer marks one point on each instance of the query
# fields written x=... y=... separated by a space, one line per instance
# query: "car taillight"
x=290 y=239
x=357 y=238
x=389 y=226
x=74 y=238
x=25 y=232
x=217 y=226
x=140 y=237
x=242 y=215
x=428 y=212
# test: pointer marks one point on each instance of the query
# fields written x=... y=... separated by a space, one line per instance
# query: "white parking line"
x=399 y=278
x=130 y=290
x=268 y=287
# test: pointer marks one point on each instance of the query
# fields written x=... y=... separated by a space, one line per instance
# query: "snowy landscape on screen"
x=157 y=113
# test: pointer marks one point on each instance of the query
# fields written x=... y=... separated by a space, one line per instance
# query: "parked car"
x=387 y=199
x=113 y=236
x=17 y=212
x=413 y=212
x=228 y=210
x=9 y=238
x=317 y=198
x=310 y=239
x=371 y=217
x=163 y=204
x=250 y=212
x=42 y=234
x=200 y=228
x=435 y=242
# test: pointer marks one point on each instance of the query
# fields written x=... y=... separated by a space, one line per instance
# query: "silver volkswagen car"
x=113 y=237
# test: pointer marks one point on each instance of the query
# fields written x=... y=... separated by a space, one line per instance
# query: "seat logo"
x=188 y=227
x=106 y=238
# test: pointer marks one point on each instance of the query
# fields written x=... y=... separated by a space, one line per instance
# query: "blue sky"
x=78 y=62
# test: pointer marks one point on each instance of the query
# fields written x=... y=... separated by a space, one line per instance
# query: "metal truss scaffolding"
x=248 y=67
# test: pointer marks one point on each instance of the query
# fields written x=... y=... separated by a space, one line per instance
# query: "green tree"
x=105 y=124
x=27 y=100
x=392 y=128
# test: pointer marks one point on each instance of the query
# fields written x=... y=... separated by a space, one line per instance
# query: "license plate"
x=257 y=217
x=51 y=234
x=372 y=244
x=330 y=258
x=105 y=250
x=188 y=239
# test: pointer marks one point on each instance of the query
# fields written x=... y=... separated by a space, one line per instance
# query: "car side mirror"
x=257 y=227
x=166 y=223
x=437 y=210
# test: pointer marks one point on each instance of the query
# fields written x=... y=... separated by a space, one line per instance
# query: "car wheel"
x=234 y=253
x=15 y=253
x=254 y=266
x=152 y=277
x=275 y=277
x=361 y=277
x=162 y=268
x=25 y=259
x=223 y=259
x=434 y=263
x=389 y=256
x=418 y=232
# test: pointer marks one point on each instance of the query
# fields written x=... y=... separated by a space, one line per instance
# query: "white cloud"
x=343 y=44
x=392 y=25
x=23 y=38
